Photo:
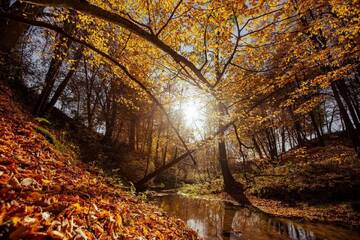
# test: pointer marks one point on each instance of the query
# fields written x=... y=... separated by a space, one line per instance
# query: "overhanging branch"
x=95 y=11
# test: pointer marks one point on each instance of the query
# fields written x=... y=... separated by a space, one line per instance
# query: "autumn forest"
x=179 y=119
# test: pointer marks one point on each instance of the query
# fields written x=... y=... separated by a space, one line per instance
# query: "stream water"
x=213 y=219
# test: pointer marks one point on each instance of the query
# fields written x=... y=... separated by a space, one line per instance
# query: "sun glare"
x=193 y=115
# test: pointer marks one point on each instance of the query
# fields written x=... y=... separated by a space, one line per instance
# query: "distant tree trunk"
x=111 y=112
x=66 y=80
x=149 y=145
x=164 y=155
x=300 y=138
x=329 y=126
x=60 y=53
x=146 y=127
x=50 y=78
x=348 y=124
x=119 y=126
x=271 y=140
x=132 y=130
x=165 y=149
x=156 y=158
x=342 y=88
x=257 y=147
x=354 y=96
x=139 y=123
x=283 y=140
x=89 y=89
x=316 y=128
x=262 y=147
x=175 y=153
x=290 y=137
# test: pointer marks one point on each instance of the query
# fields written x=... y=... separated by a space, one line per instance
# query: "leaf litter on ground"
x=45 y=195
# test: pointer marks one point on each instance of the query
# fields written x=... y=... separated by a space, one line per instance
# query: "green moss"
x=42 y=120
x=49 y=137
x=212 y=187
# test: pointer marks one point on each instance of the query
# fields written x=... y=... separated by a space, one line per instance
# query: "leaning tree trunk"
x=231 y=186
x=49 y=84
x=66 y=80
x=61 y=51
x=59 y=55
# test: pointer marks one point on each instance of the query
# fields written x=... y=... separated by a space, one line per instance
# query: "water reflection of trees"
x=204 y=216
x=217 y=220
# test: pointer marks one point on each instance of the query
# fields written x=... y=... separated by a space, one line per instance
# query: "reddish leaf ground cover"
x=44 y=195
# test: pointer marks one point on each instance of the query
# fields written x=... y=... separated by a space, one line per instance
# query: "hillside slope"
x=46 y=194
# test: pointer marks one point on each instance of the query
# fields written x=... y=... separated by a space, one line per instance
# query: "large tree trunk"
x=231 y=186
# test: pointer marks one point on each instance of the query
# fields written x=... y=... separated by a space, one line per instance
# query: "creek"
x=216 y=219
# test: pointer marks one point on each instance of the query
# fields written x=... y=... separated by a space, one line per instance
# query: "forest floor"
x=315 y=183
x=46 y=193
x=320 y=184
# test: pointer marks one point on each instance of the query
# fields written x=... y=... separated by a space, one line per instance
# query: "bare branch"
x=233 y=52
x=139 y=23
x=205 y=45
x=251 y=70
x=169 y=19
x=257 y=17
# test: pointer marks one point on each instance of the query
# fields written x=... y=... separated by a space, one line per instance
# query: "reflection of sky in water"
x=214 y=220
x=298 y=233
x=197 y=225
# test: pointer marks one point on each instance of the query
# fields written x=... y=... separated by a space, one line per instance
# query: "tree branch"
x=93 y=10
x=169 y=19
x=233 y=52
